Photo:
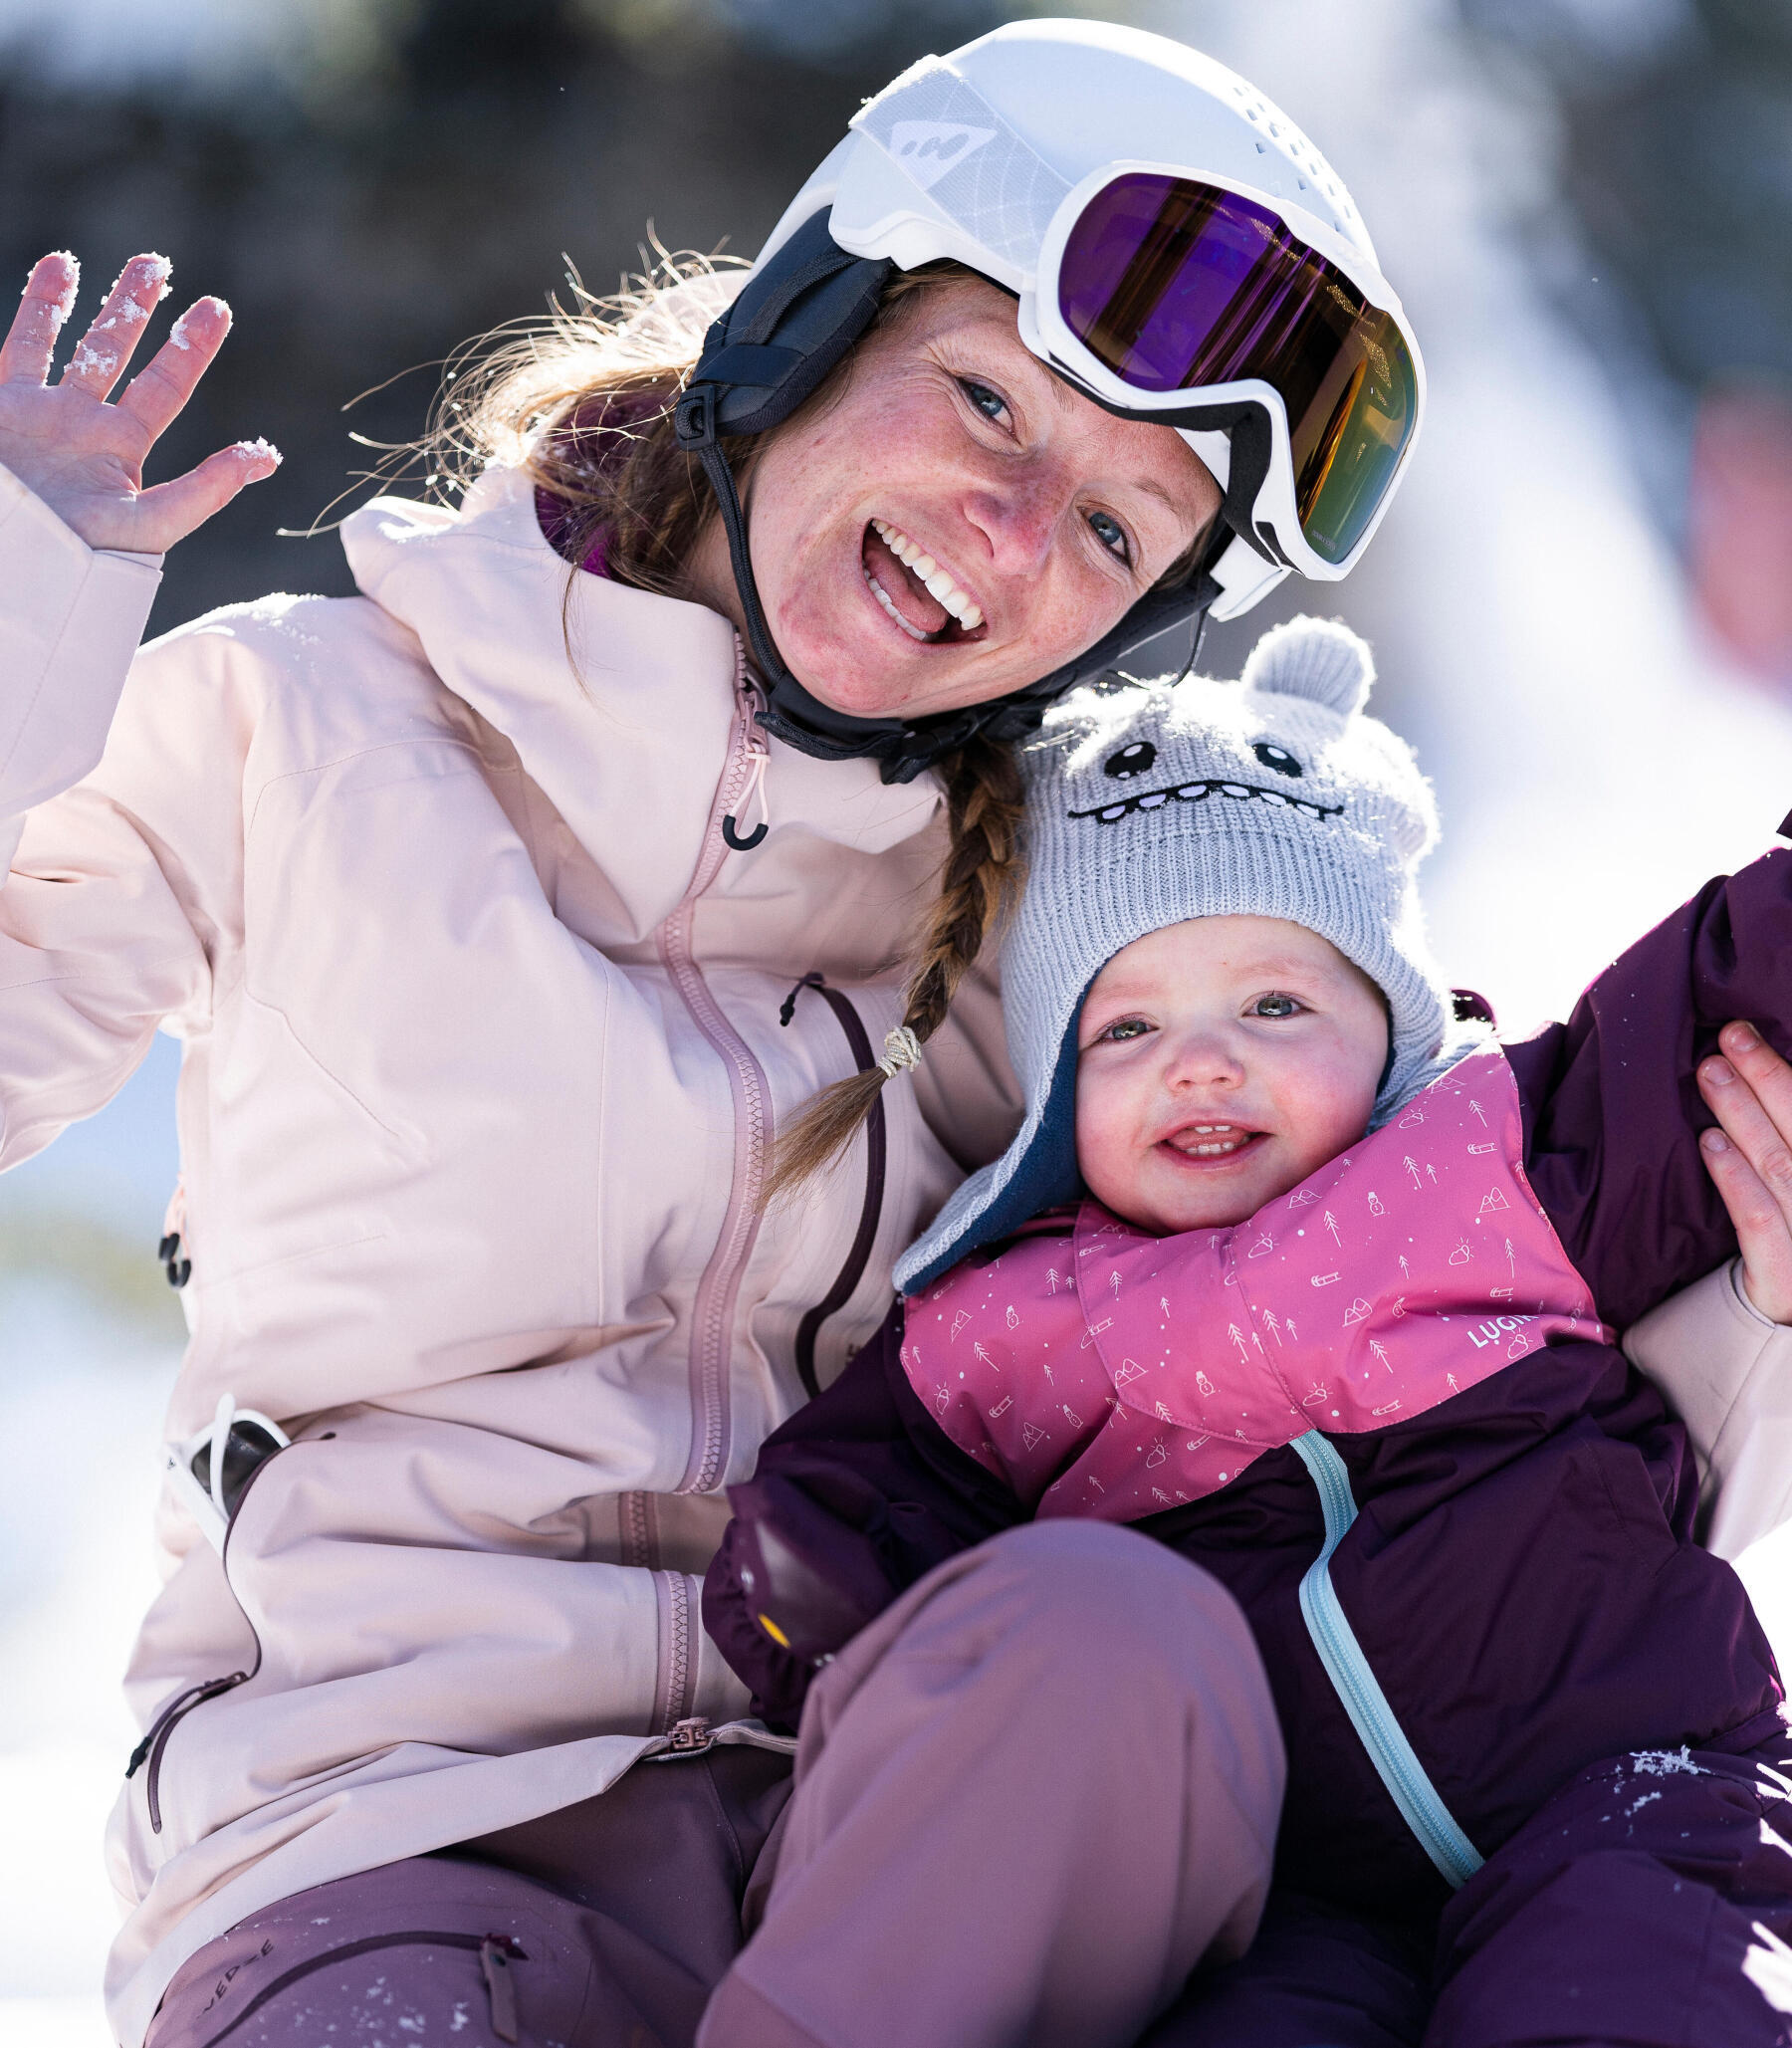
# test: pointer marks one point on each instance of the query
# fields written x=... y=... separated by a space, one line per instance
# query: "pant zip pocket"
x=495 y=1963
x=496 y=1953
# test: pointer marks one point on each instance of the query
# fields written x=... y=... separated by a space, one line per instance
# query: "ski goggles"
x=1177 y=298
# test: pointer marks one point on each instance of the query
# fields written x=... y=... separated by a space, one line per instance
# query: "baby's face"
x=1219 y=1063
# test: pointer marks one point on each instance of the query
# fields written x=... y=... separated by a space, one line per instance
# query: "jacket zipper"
x=495 y=1952
x=876 y=1145
x=1408 y=1784
x=712 y=1316
x=712 y=1313
x=154 y=1744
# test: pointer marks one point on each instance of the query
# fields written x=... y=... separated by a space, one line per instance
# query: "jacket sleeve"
x=859 y=1494
x=1727 y=1370
x=69 y=621
x=119 y=785
x=1612 y=1111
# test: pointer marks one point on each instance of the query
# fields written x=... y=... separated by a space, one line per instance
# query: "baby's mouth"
x=1210 y=1140
x=913 y=589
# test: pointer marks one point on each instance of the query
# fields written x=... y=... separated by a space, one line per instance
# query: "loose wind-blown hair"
x=583 y=402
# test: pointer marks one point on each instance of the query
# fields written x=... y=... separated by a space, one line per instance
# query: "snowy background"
x=1588 y=659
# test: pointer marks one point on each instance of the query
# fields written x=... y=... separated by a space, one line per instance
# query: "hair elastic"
x=901 y=1049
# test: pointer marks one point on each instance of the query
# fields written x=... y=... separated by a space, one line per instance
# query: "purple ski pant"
x=1027 y=1801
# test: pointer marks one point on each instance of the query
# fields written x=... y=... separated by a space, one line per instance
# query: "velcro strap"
x=746 y=362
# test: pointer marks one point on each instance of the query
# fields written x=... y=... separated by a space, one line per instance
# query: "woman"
x=506 y=912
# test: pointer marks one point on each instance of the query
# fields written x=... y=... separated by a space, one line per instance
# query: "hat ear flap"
x=1319 y=659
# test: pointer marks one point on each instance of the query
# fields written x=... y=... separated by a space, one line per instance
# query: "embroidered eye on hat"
x=1276 y=796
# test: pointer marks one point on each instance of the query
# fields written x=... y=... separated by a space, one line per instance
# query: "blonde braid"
x=980 y=883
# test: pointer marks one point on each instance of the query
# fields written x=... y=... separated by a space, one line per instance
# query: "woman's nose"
x=1021 y=520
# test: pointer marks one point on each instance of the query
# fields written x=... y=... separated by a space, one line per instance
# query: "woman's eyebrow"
x=1153 y=489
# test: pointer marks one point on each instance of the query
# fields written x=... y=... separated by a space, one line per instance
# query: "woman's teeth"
x=927 y=572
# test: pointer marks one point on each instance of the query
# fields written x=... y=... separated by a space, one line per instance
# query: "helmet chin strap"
x=797 y=317
x=791 y=713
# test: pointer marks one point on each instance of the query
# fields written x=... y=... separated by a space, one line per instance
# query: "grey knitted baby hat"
x=1273 y=797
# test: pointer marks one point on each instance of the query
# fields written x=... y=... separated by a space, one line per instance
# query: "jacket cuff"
x=1727 y=1371
x=71 y=617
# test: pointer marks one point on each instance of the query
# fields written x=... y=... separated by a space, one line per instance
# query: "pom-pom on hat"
x=1273 y=797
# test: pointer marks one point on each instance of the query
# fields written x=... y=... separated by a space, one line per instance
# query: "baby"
x=1296 y=1268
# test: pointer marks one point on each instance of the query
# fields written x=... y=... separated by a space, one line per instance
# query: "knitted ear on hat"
x=1320 y=659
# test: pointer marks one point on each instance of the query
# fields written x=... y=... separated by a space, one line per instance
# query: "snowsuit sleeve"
x=1612 y=1111
x=859 y=1494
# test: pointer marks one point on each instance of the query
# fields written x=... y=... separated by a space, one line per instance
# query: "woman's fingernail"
x=1740 y=1038
x=1714 y=1140
x=1718 y=1072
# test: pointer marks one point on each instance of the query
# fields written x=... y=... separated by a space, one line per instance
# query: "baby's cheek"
x=1105 y=1155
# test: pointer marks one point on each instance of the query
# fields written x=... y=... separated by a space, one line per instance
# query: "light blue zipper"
x=1357 y=1686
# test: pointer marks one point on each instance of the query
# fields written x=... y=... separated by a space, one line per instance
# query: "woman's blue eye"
x=990 y=403
x=1275 y=1005
x=1111 y=534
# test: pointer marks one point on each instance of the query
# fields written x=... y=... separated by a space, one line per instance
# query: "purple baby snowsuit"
x=1501 y=1538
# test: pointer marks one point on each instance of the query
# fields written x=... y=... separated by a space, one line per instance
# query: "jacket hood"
x=621 y=703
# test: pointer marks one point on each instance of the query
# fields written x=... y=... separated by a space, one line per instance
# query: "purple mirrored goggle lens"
x=1175 y=284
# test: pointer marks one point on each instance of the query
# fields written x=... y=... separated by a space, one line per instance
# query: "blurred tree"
x=1677 y=170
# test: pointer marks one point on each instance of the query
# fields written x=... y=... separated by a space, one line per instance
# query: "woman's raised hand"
x=82 y=456
x=1749 y=1089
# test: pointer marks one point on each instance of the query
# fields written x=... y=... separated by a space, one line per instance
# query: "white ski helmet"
x=1179 y=252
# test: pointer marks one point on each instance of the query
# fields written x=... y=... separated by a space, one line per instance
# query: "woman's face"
x=954 y=450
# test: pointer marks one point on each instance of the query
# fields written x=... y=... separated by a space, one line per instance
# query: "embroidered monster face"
x=1290 y=738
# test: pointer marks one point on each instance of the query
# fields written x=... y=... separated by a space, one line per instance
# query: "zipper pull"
x=760 y=758
x=501 y=1988
x=178 y=1270
x=690 y=1737
x=788 y=1008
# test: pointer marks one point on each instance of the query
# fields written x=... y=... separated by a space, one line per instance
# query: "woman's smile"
x=918 y=591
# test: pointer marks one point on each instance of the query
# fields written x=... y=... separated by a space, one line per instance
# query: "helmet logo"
x=928 y=150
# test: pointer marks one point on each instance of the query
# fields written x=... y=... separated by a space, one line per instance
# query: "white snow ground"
x=1593 y=762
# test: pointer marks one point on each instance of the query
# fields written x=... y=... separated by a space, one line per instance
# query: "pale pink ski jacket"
x=481 y=1056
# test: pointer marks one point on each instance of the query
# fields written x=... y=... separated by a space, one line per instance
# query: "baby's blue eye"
x=1111 y=534
x=1127 y=1028
x=1275 y=1005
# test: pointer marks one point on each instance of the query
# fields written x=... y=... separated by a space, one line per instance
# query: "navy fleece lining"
x=1045 y=1178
